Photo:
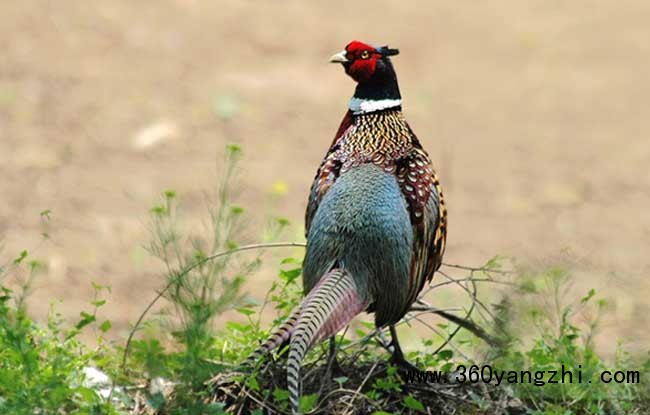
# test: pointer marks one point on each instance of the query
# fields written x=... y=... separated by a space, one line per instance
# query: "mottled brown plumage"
x=385 y=139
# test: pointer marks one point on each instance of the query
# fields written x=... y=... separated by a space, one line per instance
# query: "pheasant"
x=375 y=223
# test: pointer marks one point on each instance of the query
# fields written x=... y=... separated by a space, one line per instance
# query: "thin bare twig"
x=372 y=369
x=477 y=269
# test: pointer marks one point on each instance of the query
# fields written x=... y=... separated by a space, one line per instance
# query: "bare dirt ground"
x=537 y=115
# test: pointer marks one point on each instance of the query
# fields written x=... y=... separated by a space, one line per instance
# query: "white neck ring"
x=364 y=106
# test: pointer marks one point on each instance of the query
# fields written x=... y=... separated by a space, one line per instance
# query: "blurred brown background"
x=536 y=114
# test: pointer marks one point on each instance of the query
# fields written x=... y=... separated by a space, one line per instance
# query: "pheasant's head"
x=373 y=71
x=363 y=62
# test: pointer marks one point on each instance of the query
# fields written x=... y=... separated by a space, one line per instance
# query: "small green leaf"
x=158 y=210
x=446 y=354
x=233 y=149
x=252 y=383
x=308 y=402
x=20 y=258
x=447 y=367
x=35 y=265
x=283 y=221
x=290 y=275
x=232 y=325
x=231 y=245
x=105 y=326
x=341 y=380
x=216 y=408
x=494 y=263
x=280 y=395
x=47 y=214
x=86 y=319
x=88 y=395
x=589 y=296
x=412 y=403
x=246 y=311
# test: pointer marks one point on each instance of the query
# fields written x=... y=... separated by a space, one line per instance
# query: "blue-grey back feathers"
x=362 y=225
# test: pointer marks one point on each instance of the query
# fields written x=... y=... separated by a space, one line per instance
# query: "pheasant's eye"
x=365 y=54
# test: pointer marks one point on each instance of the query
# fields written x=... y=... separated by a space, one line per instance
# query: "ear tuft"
x=386 y=51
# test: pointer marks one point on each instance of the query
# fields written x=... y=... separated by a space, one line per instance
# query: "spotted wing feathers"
x=423 y=194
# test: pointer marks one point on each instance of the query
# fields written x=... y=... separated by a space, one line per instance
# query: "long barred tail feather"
x=329 y=307
x=276 y=339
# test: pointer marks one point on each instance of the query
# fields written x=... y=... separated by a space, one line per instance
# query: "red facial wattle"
x=361 y=69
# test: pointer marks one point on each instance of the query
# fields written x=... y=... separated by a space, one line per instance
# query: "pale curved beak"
x=339 y=57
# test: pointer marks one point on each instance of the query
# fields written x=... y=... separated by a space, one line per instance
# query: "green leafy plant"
x=560 y=344
x=200 y=285
x=43 y=369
